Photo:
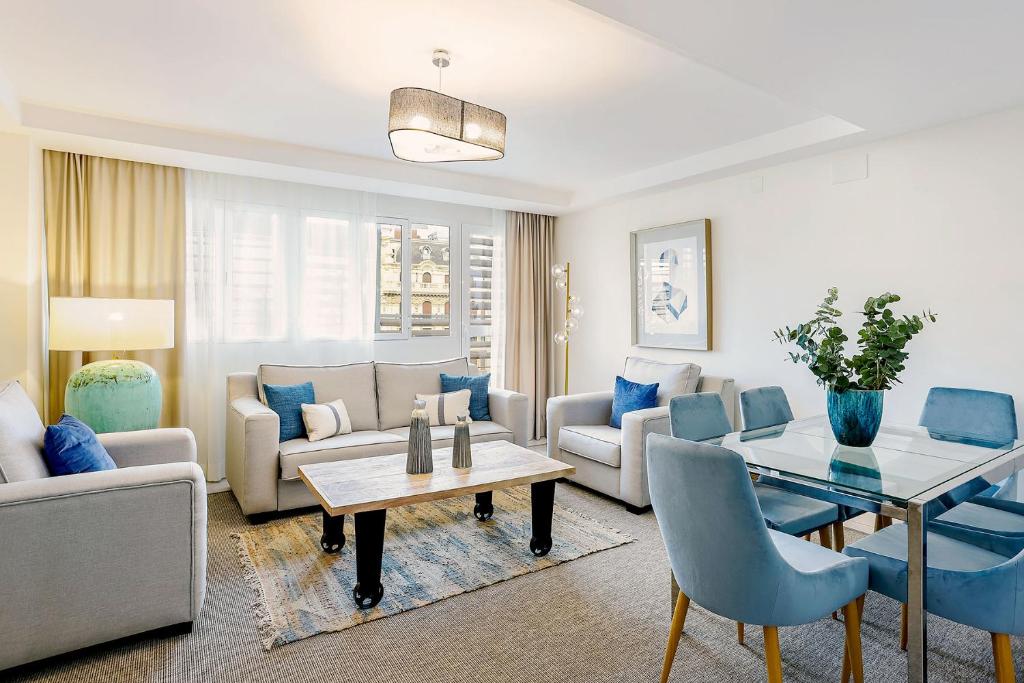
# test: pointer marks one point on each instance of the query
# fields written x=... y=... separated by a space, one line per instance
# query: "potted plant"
x=855 y=384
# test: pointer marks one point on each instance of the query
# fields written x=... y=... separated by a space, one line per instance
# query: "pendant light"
x=428 y=126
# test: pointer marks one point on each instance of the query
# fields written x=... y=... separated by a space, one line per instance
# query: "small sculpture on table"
x=462 y=458
x=421 y=458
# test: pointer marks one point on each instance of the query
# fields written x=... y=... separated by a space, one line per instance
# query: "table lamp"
x=117 y=395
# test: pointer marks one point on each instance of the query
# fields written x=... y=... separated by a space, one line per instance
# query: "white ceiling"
x=602 y=96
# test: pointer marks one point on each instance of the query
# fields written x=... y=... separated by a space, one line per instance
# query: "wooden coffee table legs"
x=369 y=553
x=542 y=496
x=333 y=538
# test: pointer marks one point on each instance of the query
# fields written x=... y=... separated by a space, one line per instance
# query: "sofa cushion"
x=342 y=447
x=71 y=447
x=355 y=384
x=398 y=384
x=445 y=409
x=629 y=396
x=479 y=406
x=673 y=378
x=442 y=437
x=286 y=400
x=600 y=443
x=21 y=436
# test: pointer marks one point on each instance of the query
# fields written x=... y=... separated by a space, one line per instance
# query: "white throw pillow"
x=443 y=409
x=324 y=420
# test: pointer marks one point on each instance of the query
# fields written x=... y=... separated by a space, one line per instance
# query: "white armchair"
x=610 y=460
x=94 y=557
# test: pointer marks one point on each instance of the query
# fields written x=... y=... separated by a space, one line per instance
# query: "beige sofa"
x=611 y=460
x=94 y=557
x=264 y=474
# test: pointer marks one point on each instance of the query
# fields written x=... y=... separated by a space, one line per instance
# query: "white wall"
x=21 y=295
x=940 y=220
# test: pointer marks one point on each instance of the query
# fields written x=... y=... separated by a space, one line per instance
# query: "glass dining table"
x=908 y=473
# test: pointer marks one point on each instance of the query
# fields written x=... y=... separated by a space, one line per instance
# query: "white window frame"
x=470 y=330
x=455 y=270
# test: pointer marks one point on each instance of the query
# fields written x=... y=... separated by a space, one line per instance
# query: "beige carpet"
x=603 y=617
x=432 y=551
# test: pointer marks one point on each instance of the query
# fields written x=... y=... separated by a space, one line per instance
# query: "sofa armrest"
x=636 y=426
x=511 y=409
x=593 y=408
x=97 y=556
x=150 y=446
x=253 y=465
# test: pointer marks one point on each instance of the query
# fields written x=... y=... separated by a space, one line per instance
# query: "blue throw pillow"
x=479 y=408
x=286 y=400
x=630 y=396
x=71 y=447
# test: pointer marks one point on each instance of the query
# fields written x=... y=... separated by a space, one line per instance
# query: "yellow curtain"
x=529 y=366
x=116 y=229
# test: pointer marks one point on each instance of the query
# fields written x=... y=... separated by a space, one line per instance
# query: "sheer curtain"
x=276 y=272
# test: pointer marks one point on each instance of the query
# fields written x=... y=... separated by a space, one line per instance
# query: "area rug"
x=432 y=551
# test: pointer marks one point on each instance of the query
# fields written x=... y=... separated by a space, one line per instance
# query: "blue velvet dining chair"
x=764 y=407
x=699 y=417
x=985 y=418
x=973 y=579
x=726 y=566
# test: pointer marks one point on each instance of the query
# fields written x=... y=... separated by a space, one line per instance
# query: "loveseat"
x=93 y=557
x=611 y=460
x=264 y=473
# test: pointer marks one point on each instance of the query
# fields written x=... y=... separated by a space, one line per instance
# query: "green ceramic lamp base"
x=115 y=396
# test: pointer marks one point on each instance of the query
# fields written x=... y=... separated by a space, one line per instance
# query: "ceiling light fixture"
x=427 y=126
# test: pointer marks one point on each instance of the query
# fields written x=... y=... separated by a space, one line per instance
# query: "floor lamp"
x=573 y=313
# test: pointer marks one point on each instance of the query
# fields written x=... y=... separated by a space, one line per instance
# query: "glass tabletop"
x=902 y=463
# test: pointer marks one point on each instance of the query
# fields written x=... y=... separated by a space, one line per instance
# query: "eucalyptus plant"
x=881 y=344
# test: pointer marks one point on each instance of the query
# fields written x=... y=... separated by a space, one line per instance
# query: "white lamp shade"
x=90 y=324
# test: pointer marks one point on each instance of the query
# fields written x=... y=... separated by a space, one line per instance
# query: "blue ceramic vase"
x=855 y=415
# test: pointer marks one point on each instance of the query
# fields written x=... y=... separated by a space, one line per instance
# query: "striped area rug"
x=431 y=551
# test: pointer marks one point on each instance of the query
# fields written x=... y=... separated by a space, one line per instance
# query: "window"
x=429 y=244
x=255 y=266
x=324 y=277
x=484 y=274
x=413 y=283
x=389 y=278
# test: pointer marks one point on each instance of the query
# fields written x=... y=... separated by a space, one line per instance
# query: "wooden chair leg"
x=674 y=631
x=838 y=537
x=772 y=654
x=739 y=631
x=851 y=614
x=807 y=537
x=1004 y=658
x=903 y=627
x=825 y=536
x=881 y=521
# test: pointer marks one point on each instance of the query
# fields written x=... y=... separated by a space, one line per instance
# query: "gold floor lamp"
x=573 y=313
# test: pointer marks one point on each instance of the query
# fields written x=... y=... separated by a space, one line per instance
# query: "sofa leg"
x=637 y=510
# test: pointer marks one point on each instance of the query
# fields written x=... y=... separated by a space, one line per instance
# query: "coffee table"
x=367 y=487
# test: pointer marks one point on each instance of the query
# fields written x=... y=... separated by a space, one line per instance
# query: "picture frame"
x=671 y=294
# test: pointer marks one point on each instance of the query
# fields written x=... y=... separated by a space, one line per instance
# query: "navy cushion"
x=479 y=408
x=630 y=396
x=71 y=447
x=286 y=400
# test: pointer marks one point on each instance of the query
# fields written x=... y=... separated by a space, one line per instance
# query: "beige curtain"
x=116 y=229
x=529 y=365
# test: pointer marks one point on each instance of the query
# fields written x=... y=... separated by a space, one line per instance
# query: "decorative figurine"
x=421 y=457
x=462 y=457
